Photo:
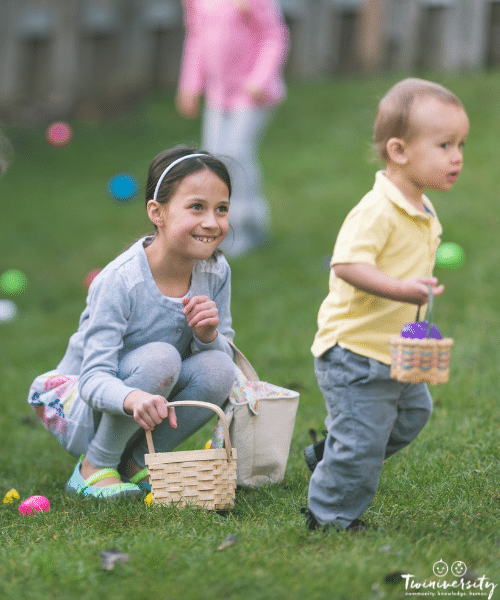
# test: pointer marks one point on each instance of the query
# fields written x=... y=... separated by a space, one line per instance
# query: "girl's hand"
x=188 y=104
x=202 y=316
x=149 y=410
x=257 y=94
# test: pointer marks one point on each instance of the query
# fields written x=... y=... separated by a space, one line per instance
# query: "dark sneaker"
x=314 y=453
x=311 y=522
x=357 y=526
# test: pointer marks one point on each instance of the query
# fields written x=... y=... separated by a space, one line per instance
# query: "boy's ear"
x=396 y=150
x=155 y=212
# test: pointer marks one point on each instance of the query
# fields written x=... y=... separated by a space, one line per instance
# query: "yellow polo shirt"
x=388 y=232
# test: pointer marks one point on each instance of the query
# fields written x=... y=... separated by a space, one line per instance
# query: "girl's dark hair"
x=186 y=167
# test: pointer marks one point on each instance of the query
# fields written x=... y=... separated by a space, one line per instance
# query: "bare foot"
x=87 y=470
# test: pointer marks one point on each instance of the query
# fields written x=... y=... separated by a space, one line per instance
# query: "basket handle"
x=214 y=407
x=430 y=307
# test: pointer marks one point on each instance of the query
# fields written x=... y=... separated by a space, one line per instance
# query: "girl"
x=234 y=55
x=156 y=327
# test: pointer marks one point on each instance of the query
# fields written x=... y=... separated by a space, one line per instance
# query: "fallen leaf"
x=394 y=578
x=229 y=541
x=110 y=557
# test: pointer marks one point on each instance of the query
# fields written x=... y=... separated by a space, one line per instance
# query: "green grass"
x=438 y=499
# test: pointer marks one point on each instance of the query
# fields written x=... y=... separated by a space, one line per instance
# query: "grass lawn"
x=438 y=500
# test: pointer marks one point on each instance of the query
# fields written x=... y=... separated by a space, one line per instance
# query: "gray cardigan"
x=125 y=310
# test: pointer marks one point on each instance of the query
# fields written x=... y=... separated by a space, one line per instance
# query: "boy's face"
x=435 y=153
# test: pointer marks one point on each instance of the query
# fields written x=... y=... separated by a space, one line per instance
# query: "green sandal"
x=136 y=479
x=84 y=487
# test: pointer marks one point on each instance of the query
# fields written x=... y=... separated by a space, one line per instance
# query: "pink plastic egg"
x=34 y=503
x=59 y=134
x=89 y=278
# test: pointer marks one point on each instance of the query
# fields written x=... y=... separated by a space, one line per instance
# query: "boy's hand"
x=416 y=292
x=202 y=316
x=149 y=410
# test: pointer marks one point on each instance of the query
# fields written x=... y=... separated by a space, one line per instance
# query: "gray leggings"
x=157 y=368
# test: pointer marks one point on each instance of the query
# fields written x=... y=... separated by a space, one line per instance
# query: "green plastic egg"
x=13 y=281
x=450 y=255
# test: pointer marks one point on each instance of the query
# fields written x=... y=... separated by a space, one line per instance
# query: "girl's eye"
x=196 y=206
x=223 y=209
x=445 y=145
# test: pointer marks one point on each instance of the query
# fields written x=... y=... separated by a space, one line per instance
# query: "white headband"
x=170 y=166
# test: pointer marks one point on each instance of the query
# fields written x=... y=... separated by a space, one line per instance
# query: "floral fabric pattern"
x=55 y=393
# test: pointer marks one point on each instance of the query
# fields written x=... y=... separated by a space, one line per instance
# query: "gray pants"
x=157 y=368
x=370 y=417
x=235 y=137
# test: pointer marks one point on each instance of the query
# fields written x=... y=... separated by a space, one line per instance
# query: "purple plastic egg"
x=419 y=331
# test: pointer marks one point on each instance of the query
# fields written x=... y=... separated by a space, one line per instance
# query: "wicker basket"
x=204 y=478
x=424 y=360
x=420 y=361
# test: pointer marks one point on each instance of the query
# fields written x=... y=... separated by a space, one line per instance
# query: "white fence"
x=58 y=56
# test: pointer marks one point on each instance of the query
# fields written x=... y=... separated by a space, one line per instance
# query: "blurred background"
x=109 y=69
x=89 y=58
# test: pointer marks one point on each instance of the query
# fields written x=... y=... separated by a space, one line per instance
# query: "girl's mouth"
x=205 y=239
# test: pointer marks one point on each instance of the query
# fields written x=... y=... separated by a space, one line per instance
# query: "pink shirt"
x=227 y=47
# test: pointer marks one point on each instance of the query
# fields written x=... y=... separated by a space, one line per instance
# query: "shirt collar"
x=393 y=193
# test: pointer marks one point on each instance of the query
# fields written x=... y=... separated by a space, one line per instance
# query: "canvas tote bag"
x=261 y=418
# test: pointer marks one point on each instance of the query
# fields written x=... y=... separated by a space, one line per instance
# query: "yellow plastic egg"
x=11 y=495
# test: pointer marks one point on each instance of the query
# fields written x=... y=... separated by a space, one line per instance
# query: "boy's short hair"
x=393 y=115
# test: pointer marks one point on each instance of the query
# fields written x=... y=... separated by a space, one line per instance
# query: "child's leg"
x=362 y=404
x=241 y=136
x=414 y=410
x=152 y=368
x=213 y=130
x=208 y=377
x=245 y=130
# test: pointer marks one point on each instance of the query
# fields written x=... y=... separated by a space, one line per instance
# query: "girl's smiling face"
x=195 y=220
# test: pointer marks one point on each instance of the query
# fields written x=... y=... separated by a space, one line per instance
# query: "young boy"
x=381 y=267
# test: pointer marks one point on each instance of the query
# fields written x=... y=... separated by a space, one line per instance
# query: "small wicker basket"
x=203 y=478
x=424 y=360
x=420 y=361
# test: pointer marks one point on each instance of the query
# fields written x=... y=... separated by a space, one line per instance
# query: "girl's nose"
x=209 y=220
